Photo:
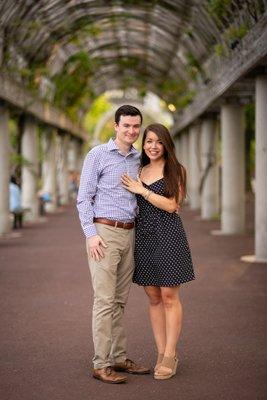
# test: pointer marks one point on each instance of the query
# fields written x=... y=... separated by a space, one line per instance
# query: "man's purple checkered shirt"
x=101 y=194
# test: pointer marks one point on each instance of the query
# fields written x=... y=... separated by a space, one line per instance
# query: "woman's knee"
x=170 y=297
x=154 y=296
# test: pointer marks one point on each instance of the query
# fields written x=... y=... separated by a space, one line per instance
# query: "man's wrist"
x=90 y=237
x=90 y=231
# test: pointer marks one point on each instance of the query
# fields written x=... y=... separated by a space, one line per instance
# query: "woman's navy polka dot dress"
x=162 y=254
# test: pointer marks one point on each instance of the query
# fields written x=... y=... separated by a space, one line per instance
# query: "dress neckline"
x=152 y=183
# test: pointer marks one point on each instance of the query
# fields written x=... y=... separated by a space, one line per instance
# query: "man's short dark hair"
x=127 y=110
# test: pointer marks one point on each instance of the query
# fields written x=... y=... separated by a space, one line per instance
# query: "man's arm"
x=87 y=191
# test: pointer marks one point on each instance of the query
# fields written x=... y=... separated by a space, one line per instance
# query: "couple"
x=113 y=186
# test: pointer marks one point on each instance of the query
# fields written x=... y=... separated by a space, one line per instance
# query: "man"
x=107 y=212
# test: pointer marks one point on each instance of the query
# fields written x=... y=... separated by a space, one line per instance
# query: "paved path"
x=45 y=307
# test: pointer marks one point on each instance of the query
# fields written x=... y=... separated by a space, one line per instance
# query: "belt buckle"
x=124 y=224
x=116 y=224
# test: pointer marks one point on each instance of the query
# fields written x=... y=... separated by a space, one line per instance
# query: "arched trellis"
x=155 y=40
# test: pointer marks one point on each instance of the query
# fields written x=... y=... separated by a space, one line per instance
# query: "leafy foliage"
x=98 y=108
x=231 y=39
x=218 y=8
x=72 y=84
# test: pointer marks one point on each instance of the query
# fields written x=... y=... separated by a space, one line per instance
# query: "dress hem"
x=170 y=285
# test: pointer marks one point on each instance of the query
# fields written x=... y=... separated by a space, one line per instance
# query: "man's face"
x=128 y=129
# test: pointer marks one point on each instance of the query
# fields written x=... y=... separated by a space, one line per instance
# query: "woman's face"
x=153 y=146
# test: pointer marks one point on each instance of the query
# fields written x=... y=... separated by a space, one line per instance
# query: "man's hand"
x=94 y=244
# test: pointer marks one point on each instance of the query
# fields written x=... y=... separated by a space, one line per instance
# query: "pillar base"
x=50 y=208
x=194 y=208
x=218 y=232
x=10 y=235
x=5 y=227
x=201 y=219
x=209 y=219
x=38 y=220
x=253 y=259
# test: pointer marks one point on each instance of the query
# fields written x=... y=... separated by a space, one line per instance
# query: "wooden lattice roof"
x=153 y=44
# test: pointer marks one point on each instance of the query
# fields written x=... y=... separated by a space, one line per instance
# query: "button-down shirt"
x=101 y=194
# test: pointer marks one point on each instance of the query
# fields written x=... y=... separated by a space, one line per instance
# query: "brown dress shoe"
x=130 y=367
x=108 y=375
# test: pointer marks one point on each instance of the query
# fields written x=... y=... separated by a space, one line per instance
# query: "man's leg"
x=104 y=278
x=124 y=280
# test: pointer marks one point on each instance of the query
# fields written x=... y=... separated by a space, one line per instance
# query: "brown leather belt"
x=116 y=224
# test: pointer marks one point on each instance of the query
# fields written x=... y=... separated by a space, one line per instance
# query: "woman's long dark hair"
x=174 y=173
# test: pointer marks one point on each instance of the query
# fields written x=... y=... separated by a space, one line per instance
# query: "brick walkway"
x=45 y=310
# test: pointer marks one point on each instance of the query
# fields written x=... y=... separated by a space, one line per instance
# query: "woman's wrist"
x=146 y=194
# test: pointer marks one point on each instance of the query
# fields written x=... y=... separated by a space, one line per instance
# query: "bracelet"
x=147 y=194
x=144 y=193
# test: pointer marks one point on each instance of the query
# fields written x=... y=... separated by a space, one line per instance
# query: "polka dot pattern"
x=162 y=254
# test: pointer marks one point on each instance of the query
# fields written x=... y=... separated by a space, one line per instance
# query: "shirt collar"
x=111 y=145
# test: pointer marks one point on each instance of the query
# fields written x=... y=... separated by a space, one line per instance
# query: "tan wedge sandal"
x=167 y=369
x=159 y=361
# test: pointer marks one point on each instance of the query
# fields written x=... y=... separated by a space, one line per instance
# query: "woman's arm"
x=164 y=203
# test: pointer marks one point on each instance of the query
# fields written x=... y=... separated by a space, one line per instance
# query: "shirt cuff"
x=90 y=230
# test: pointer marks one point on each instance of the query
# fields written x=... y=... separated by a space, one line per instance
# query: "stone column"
x=179 y=153
x=5 y=225
x=49 y=170
x=186 y=163
x=261 y=170
x=73 y=155
x=185 y=149
x=233 y=169
x=80 y=152
x=209 y=169
x=29 y=148
x=194 y=167
x=63 y=181
x=177 y=142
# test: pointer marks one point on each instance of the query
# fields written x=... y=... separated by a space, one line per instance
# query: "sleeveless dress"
x=162 y=254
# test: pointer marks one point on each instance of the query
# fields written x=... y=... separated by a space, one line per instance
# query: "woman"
x=162 y=255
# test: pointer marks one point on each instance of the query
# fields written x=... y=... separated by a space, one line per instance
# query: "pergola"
x=207 y=58
x=156 y=45
x=148 y=39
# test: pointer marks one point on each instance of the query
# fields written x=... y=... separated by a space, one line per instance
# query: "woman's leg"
x=157 y=317
x=173 y=314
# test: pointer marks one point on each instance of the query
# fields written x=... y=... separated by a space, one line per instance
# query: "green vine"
x=82 y=30
x=234 y=34
x=194 y=68
x=218 y=8
x=72 y=84
x=185 y=100
x=231 y=37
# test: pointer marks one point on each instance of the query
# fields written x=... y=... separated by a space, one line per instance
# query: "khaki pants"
x=111 y=280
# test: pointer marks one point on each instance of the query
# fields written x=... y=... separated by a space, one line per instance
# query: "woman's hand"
x=132 y=185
